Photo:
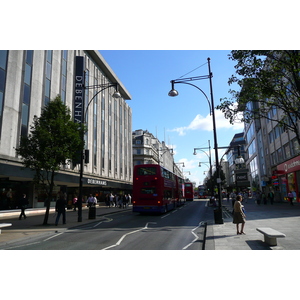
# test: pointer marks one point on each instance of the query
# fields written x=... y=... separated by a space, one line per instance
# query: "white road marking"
x=125 y=235
x=196 y=236
x=165 y=216
x=51 y=237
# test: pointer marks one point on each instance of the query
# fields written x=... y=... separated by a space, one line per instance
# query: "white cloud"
x=206 y=124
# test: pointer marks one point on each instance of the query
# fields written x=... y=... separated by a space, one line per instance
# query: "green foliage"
x=54 y=140
x=211 y=183
x=268 y=81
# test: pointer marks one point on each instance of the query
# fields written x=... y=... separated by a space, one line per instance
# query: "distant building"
x=147 y=149
x=237 y=173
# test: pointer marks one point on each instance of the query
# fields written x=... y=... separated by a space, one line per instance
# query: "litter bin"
x=218 y=216
x=92 y=212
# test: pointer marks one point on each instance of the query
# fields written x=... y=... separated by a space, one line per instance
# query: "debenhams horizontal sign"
x=96 y=181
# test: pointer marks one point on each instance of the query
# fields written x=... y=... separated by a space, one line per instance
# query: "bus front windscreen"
x=147 y=171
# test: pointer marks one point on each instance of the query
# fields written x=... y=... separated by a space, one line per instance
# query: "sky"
x=183 y=122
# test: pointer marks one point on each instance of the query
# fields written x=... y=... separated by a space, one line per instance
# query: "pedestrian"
x=107 y=200
x=239 y=215
x=75 y=199
x=23 y=206
x=111 y=200
x=9 y=196
x=294 y=195
x=125 y=201
x=271 y=197
x=60 y=208
x=291 y=197
x=264 y=198
x=233 y=196
x=258 y=197
x=91 y=201
x=115 y=200
x=129 y=199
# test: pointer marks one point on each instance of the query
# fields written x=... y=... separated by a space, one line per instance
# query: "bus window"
x=148 y=191
x=147 y=171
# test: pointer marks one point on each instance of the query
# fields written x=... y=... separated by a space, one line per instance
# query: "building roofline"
x=109 y=73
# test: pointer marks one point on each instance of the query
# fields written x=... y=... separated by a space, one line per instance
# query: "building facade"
x=147 y=149
x=237 y=173
x=273 y=156
x=283 y=158
x=29 y=79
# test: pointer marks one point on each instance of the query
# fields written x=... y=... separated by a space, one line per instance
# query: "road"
x=180 y=229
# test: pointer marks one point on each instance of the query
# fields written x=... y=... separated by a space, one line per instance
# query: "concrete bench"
x=4 y=225
x=270 y=235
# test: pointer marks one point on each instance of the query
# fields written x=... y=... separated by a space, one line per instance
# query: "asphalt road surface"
x=179 y=229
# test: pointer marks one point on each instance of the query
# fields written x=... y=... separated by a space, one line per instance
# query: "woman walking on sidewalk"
x=239 y=215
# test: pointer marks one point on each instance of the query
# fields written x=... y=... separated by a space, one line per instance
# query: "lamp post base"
x=218 y=215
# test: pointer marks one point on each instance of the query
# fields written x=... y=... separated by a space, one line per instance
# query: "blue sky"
x=183 y=122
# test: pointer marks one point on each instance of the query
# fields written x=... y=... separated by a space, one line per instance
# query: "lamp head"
x=239 y=160
x=173 y=93
x=116 y=94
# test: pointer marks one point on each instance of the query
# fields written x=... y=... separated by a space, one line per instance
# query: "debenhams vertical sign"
x=79 y=91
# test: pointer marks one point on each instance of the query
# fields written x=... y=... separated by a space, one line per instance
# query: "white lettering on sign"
x=291 y=165
x=96 y=181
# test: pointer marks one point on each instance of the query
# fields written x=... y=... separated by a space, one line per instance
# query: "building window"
x=48 y=72
x=115 y=128
x=26 y=92
x=3 y=63
x=295 y=147
x=271 y=137
x=102 y=129
x=273 y=158
x=280 y=155
x=95 y=128
x=64 y=75
x=110 y=142
x=121 y=138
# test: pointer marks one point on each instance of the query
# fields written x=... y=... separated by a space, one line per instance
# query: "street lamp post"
x=218 y=212
x=116 y=94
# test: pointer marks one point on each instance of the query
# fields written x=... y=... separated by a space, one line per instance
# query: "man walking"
x=23 y=205
x=60 y=208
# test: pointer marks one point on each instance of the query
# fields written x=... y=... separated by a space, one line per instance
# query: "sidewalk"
x=282 y=217
x=32 y=225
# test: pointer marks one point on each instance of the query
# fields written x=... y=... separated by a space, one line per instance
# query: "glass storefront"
x=290 y=177
x=11 y=193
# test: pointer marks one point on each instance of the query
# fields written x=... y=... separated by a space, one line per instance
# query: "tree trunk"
x=49 y=199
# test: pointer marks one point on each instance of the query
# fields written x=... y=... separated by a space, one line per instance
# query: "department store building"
x=29 y=79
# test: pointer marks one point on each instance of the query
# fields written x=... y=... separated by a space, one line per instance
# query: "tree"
x=269 y=82
x=212 y=182
x=53 y=141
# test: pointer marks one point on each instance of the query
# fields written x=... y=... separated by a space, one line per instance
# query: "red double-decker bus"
x=155 y=189
x=188 y=191
x=179 y=191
